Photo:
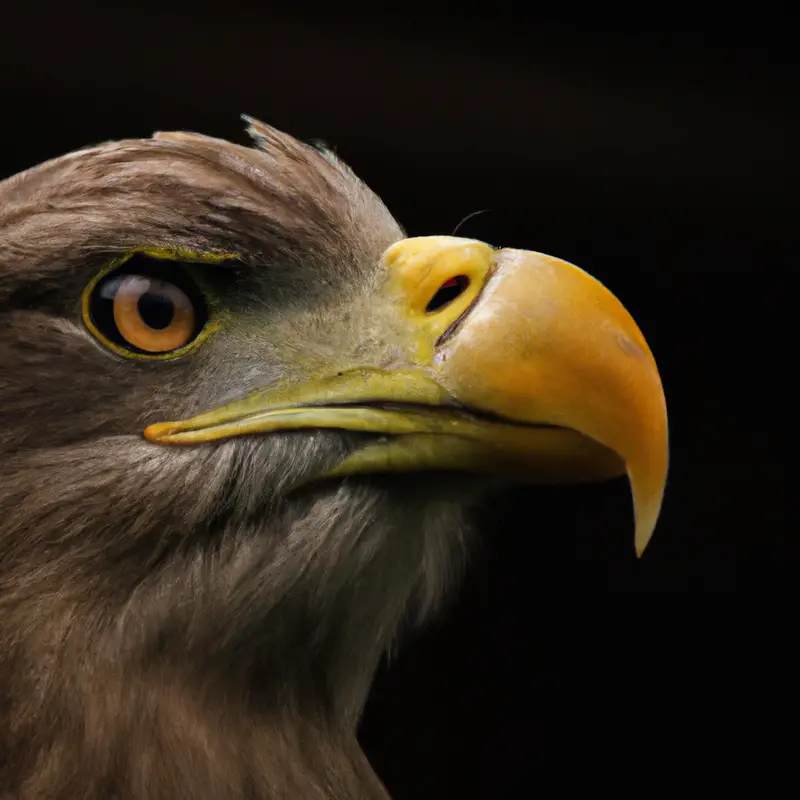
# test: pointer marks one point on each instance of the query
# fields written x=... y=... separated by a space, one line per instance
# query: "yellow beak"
x=517 y=363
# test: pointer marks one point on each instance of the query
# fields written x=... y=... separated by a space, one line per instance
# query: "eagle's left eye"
x=145 y=308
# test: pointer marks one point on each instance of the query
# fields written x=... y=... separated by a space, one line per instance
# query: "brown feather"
x=172 y=622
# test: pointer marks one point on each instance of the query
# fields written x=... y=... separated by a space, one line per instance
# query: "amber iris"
x=147 y=308
x=152 y=315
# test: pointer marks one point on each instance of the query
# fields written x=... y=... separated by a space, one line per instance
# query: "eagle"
x=245 y=423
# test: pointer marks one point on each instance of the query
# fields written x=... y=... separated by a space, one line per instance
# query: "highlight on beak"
x=534 y=370
x=548 y=342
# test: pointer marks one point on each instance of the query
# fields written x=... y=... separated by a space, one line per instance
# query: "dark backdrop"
x=657 y=151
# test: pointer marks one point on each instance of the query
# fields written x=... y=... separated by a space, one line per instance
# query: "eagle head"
x=243 y=422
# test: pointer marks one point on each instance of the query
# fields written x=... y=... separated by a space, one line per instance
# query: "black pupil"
x=156 y=310
x=161 y=292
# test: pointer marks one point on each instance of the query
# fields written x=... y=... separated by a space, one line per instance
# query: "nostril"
x=448 y=292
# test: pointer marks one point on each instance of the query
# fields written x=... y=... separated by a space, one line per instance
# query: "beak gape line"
x=562 y=382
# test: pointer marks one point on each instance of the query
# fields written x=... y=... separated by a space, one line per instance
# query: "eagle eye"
x=145 y=308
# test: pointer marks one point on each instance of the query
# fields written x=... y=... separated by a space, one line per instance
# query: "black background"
x=658 y=151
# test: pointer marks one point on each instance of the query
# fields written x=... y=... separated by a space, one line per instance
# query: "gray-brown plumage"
x=171 y=626
x=182 y=621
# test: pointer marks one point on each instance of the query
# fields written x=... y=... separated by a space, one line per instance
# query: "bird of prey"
x=244 y=423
